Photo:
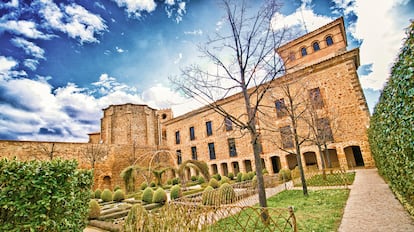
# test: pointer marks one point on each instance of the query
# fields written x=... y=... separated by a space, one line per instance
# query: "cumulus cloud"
x=29 y=47
x=31 y=64
x=25 y=28
x=135 y=7
x=6 y=64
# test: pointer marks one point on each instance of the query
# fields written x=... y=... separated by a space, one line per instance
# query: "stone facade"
x=137 y=134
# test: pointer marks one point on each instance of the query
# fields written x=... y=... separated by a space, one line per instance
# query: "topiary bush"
x=153 y=184
x=119 y=195
x=43 y=195
x=285 y=174
x=214 y=183
x=251 y=174
x=254 y=182
x=106 y=195
x=209 y=196
x=143 y=186
x=160 y=196
x=193 y=178
x=264 y=171
x=391 y=133
x=98 y=193
x=230 y=176
x=92 y=194
x=245 y=177
x=176 y=192
x=147 y=195
x=217 y=176
x=239 y=177
x=137 y=219
x=117 y=187
x=201 y=180
x=94 y=209
x=227 y=194
x=175 y=181
x=224 y=179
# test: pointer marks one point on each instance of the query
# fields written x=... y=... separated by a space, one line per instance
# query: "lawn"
x=321 y=211
x=336 y=179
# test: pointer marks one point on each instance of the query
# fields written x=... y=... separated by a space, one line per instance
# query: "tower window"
x=209 y=128
x=303 y=51
x=179 y=157
x=211 y=151
x=287 y=137
x=177 y=137
x=232 y=147
x=316 y=98
x=316 y=46
x=192 y=134
x=228 y=123
x=280 y=108
x=194 y=153
x=329 y=41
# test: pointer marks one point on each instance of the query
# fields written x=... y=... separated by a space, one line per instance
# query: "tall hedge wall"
x=43 y=195
x=391 y=133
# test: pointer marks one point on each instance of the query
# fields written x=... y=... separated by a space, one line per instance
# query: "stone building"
x=318 y=67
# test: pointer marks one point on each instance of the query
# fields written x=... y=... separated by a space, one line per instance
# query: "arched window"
x=303 y=51
x=316 y=46
x=329 y=41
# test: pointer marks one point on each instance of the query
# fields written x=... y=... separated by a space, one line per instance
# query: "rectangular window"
x=211 y=151
x=179 y=157
x=209 y=128
x=287 y=138
x=280 y=108
x=316 y=98
x=177 y=137
x=194 y=153
x=192 y=135
x=228 y=123
x=232 y=147
x=324 y=130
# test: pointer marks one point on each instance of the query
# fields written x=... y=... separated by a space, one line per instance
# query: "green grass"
x=321 y=211
x=331 y=180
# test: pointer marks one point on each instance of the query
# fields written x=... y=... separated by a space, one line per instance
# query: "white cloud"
x=119 y=50
x=29 y=47
x=31 y=63
x=179 y=58
x=6 y=64
x=12 y=4
x=194 y=32
x=135 y=7
x=25 y=28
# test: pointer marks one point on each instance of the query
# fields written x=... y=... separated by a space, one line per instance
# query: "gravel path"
x=372 y=207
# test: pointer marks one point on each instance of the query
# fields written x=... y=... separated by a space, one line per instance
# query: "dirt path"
x=372 y=206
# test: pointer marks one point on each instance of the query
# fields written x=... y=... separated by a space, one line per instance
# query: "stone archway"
x=107 y=183
x=310 y=158
x=291 y=161
x=354 y=156
x=276 y=166
x=332 y=160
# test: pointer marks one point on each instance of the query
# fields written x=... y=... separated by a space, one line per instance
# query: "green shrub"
x=193 y=178
x=160 y=196
x=209 y=196
x=147 y=195
x=239 y=177
x=136 y=219
x=214 y=183
x=92 y=194
x=284 y=174
x=98 y=193
x=217 y=176
x=30 y=190
x=264 y=171
x=94 y=209
x=106 y=195
x=153 y=184
x=143 y=186
x=119 y=195
x=117 y=187
x=175 y=181
x=169 y=182
x=201 y=180
x=224 y=179
x=254 y=182
x=245 y=177
x=227 y=194
x=176 y=192
x=230 y=176
x=251 y=174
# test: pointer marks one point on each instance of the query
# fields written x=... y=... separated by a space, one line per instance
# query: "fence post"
x=292 y=215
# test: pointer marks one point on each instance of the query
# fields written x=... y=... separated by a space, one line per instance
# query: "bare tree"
x=94 y=153
x=46 y=149
x=245 y=62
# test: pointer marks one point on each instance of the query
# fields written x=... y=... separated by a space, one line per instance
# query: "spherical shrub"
x=239 y=177
x=119 y=195
x=251 y=175
x=201 y=180
x=143 y=186
x=116 y=188
x=193 y=178
x=217 y=176
x=94 y=209
x=230 y=176
x=254 y=182
x=106 y=195
x=224 y=179
x=227 y=194
x=147 y=195
x=209 y=196
x=169 y=182
x=98 y=193
x=176 y=192
x=152 y=184
x=214 y=183
x=175 y=181
x=264 y=171
x=92 y=194
x=245 y=177
x=284 y=174
x=136 y=219
x=160 y=196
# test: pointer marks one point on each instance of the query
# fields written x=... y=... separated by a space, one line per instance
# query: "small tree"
x=94 y=153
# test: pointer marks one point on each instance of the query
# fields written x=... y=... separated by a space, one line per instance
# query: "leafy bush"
x=245 y=177
x=98 y=193
x=209 y=196
x=147 y=195
x=254 y=182
x=239 y=177
x=264 y=171
x=143 y=186
x=391 y=133
x=94 y=209
x=160 y=196
x=119 y=195
x=284 y=174
x=175 y=181
x=214 y=183
x=193 y=178
x=201 y=180
x=136 y=219
x=230 y=176
x=217 y=176
x=227 y=194
x=169 y=182
x=30 y=190
x=153 y=184
x=92 y=194
x=224 y=179
x=106 y=195
x=176 y=192
x=117 y=187
x=251 y=175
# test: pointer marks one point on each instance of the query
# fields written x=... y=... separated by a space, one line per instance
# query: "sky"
x=62 y=62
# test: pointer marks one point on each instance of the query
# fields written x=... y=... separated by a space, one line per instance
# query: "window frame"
x=192 y=133
x=179 y=156
x=280 y=108
x=232 y=147
x=177 y=137
x=194 y=153
x=209 y=128
x=317 y=47
x=303 y=51
x=286 y=136
x=316 y=98
x=228 y=124
x=211 y=151
x=327 y=39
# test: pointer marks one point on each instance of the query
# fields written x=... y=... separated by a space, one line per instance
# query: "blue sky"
x=62 y=62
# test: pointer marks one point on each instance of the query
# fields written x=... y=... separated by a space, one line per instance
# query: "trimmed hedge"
x=43 y=195
x=214 y=183
x=160 y=196
x=147 y=195
x=119 y=195
x=98 y=193
x=391 y=133
x=176 y=192
x=94 y=209
x=106 y=195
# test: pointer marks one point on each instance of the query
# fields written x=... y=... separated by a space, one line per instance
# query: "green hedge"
x=391 y=133
x=43 y=195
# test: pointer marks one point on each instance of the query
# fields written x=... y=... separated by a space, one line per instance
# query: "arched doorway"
x=354 y=156
x=107 y=182
x=225 y=169
x=331 y=161
x=248 y=165
x=236 y=168
x=310 y=158
x=292 y=161
x=214 y=169
x=275 y=164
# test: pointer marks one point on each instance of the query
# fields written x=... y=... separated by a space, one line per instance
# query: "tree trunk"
x=327 y=155
x=323 y=162
x=299 y=160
